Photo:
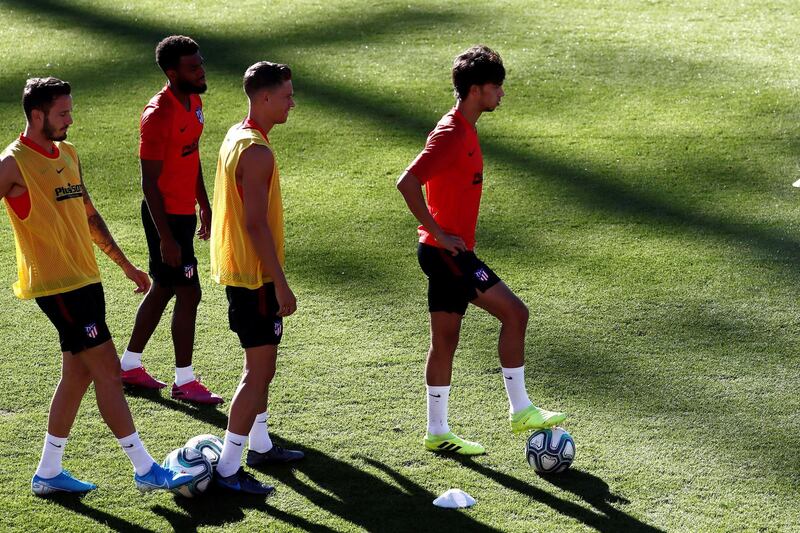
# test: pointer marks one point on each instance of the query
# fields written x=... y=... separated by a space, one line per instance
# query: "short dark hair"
x=170 y=51
x=265 y=75
x=476 y=66
x=39 y=93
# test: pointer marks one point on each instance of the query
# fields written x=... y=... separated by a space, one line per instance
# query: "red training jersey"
x=171 y=134
x=451 y=167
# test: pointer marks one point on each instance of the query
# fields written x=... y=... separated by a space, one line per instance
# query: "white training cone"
x=796 y=183
x=454 y=499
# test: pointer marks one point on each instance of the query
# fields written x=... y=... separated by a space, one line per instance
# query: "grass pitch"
x=637 y=197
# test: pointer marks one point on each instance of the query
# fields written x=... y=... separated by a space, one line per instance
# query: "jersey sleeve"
x=154 y=133
x=438 y=155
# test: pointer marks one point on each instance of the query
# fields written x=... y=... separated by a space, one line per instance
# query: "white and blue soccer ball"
x=209 y=445
x=190 y=461
x=550 y=451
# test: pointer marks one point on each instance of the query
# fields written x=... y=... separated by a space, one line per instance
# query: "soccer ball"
x=190 y=461
x=550 y=450
x=209 y=445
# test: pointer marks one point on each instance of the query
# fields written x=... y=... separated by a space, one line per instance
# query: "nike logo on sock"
x=236 y=443
x=508 y=377
x=262 y=421
x=127 y=445
x=56 y=445
x=435 y=395
x=60 y=170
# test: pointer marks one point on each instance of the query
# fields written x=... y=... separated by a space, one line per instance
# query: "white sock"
x=514 y=379
x=231 y=458
x=437 y=409
x=136 y=452
x=131 y=360
x=184 y=375
x=52 y=452
x=259 y=434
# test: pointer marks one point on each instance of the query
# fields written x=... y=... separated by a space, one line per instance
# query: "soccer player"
x=247 y=256
x=172 y=181
x=54 y=225
x=451 y=169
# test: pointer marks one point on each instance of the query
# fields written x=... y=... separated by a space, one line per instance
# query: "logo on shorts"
x=91 y=330
x=188 y=271
x=199 y=113
x=278 y=328
x=482 y=275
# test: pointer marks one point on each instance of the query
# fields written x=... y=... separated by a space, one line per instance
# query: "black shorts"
x=252 y=314
x=453 y=280
x=182 y=228
x=79 y=316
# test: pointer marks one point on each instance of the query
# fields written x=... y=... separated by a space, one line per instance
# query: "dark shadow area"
x=215 y=507
x=209 y=414
x=590 y=488
x=366 y=500
x=231 y=55
x=75 y=504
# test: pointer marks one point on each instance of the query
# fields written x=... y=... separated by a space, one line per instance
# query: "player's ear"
x=172 y=74
x=474 y=91
x=37 y=116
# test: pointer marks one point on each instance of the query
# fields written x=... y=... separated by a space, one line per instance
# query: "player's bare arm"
x=102 y=238
x=411 y=189
x=170 y=249
x=253 y=172
x=204 y=231
x=11 y=182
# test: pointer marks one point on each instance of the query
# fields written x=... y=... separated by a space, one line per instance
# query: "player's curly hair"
x=476 y=66
x=265 y=75
x=171 y=49
x=39 y=93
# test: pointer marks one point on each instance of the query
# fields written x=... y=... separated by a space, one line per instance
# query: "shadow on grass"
x=209 y=414
x=588 y=487
x=366 y=500
x=74 y=503
x=216 y=507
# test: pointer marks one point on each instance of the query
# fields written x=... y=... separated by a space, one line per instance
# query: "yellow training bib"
x=54 y=247
x=234 y=260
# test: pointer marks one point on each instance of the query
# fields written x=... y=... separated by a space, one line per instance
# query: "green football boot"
x=534 y=418
x=449 y=442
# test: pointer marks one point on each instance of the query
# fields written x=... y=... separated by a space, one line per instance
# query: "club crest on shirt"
x=188 y=271
x=482 y=275
x=278 y=328
x=199 y=113
x=91 y=330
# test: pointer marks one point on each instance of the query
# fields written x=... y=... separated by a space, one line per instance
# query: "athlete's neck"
x=265 y=125
x=39 y=138
x=469 y=110
x=182 y=97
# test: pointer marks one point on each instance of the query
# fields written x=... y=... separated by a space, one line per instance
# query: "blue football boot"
x=63 y=482
x=242 y=481
x=161 y=478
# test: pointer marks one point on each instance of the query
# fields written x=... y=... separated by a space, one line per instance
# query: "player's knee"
x=444 y=346
x=107 y=378
x=76 y=375
x=517 y=316
x=190 y=296
x=258 y=377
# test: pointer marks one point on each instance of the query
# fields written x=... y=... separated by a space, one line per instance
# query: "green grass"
x=637 y=197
